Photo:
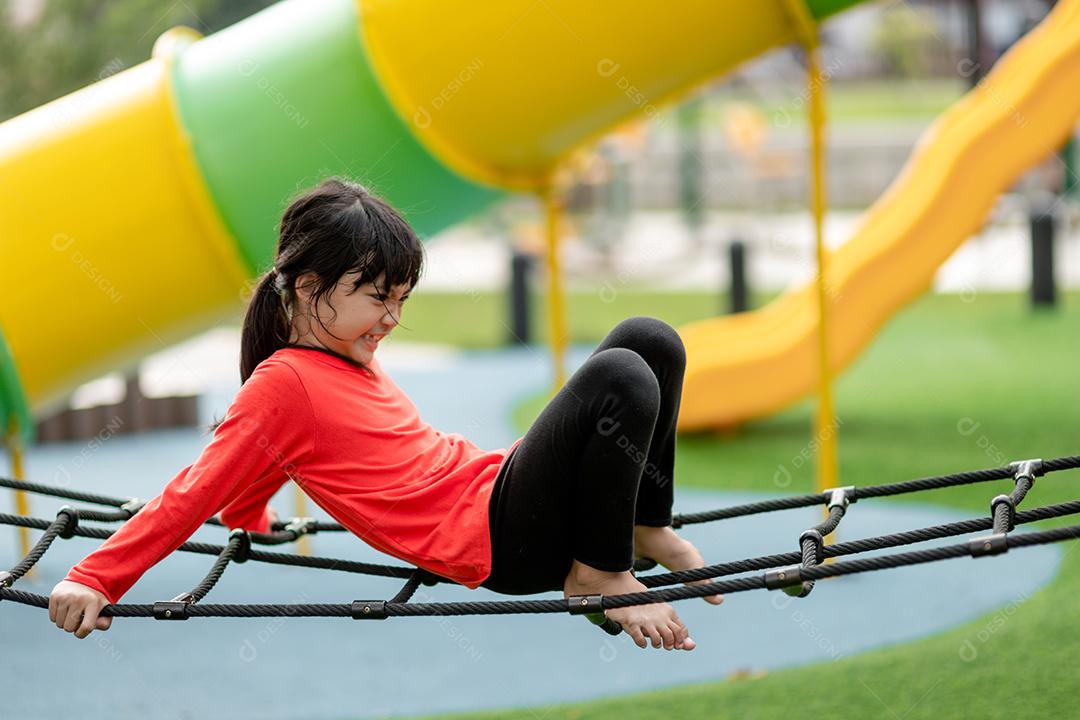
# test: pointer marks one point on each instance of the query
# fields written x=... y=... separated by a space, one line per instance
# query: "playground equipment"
x=792 y=572
x=172 y=175
x=137 y=209
x=174 y=172
x=749 y=365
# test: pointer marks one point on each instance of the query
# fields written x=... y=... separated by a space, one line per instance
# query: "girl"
x=565 y=507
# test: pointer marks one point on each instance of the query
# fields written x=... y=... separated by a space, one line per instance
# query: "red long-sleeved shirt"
x=356 y=446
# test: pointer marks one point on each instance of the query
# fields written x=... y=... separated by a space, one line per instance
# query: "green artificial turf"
x=949 y=385
x=482 y=320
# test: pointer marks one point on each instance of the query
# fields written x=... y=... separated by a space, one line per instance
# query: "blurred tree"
x=692 y=165
x=50 y=48
x=904 y=38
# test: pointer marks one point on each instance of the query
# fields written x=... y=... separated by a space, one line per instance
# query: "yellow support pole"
x=825 y=420
x=553 y=212
x=22 y=503
x=825 y=425
x=303 y=543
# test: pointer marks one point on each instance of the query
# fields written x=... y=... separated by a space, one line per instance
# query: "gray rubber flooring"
x=315 y=668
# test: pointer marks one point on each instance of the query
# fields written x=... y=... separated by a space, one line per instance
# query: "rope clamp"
x=6 y=579
x=302 y=526
x=1007 y=501
x=368 y=610
x=73 y=521
x=584 y=604
x=841 y=496
x=133 y=506
x=243 y=551
x=1029 y=469
x=988 y=545
x=784 y=578
x=171 y=610
x=819 y=544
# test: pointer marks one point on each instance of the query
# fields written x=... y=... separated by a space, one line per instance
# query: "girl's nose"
x=392 y=315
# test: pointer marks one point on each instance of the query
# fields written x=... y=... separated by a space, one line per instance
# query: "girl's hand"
x=74 y=607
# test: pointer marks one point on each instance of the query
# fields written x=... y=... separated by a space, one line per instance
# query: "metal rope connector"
x=175 y=609
x=584 y=604
x=841 y=496
x=243 y=550
x=1010 y=516
x=988 y=545
x=6 y=579
x=818 y=541
x=591 y=606
x=301 y=526
x=368 y=610
x=1029 y=469
x=789 y=579
x=132 y=506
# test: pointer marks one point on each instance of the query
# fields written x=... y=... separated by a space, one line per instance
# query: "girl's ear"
x=304 y=285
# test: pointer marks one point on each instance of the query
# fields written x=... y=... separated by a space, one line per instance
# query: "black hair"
x=335 y=228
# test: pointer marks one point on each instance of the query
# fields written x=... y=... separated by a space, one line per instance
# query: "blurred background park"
x=686 y=211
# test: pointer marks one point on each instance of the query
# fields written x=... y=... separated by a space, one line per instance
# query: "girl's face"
x=364 y=316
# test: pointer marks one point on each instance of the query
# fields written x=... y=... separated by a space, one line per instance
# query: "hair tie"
x=279 y=280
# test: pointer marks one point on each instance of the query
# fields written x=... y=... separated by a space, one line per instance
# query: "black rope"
x=236 y=543
x=320 y=563
x=62 y=492
x=794 y=577
x=898 y=488
x=786 y=503
x=65 y=522
x=504 y=607
x=410 y=587
x=762 y=506
x=134 y=503
x=851 y=547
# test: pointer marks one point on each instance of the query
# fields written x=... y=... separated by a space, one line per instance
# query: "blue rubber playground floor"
x=334 y=668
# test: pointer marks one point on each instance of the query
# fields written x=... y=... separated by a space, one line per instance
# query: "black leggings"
x=599 y=459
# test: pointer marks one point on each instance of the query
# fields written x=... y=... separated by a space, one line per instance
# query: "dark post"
x=737 y=261
x=132 y=410
x=978 y=47
x=1043 y=291
x=520 y=267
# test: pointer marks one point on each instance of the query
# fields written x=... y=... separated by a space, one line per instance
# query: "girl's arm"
x=266 y=432
x=250 y=510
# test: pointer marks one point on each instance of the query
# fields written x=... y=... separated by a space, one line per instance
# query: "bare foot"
x=664 y=546
x=656 y=622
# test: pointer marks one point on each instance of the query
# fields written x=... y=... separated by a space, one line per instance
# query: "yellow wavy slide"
x=745 y=366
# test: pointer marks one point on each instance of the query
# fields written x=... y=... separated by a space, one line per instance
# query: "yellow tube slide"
x=746 y=366
x=113 y=254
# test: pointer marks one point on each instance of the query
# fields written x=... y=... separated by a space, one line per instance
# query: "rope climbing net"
x=792 y=572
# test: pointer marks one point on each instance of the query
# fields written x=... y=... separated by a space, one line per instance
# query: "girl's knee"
x=650 y=336
x=625 y=373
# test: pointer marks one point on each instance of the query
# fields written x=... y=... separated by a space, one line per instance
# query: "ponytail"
x=266 y=324
x=265 y=329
